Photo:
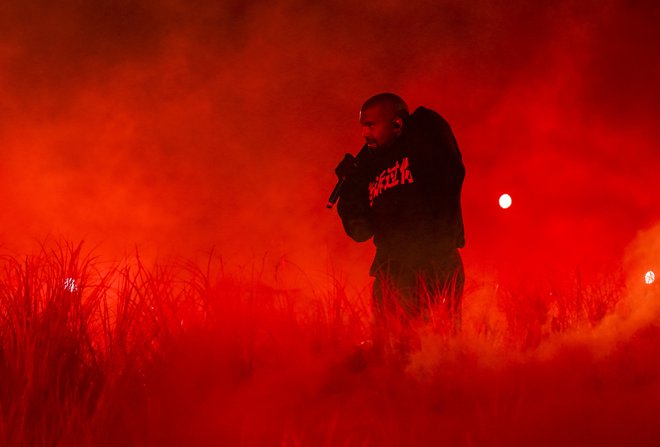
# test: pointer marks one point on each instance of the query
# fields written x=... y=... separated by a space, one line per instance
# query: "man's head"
x=381 y=118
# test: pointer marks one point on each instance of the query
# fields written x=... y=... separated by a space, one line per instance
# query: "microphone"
x=345 y=168
x=334 y=196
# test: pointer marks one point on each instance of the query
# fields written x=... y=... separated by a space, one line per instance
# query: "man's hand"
x=347 y=167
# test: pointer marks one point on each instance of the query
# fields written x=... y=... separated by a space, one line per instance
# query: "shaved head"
x=382 y=119
x=389 y=102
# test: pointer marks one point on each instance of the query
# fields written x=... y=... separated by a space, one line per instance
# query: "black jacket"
x=408 y=195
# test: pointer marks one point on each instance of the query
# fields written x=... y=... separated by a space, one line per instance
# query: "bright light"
x=649 y=278
x=505 y=201
x=70 y=285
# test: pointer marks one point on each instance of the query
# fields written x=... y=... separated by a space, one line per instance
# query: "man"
x=404 y=189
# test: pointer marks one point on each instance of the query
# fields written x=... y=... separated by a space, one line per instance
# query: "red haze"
x=179 y=126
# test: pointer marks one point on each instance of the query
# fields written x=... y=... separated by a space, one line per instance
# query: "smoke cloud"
x=178 y=126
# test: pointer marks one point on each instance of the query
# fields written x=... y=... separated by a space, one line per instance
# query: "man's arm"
x=353 y=206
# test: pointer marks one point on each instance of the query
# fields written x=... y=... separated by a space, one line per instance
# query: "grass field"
x=99 y=353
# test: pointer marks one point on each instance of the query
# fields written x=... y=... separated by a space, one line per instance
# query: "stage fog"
x=209 y=131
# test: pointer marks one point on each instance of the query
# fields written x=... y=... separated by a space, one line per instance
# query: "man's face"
x=380 y=127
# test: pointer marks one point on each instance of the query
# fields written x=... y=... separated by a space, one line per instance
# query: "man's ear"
x=397 y=124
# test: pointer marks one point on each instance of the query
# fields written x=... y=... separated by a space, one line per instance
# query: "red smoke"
x=178 y=126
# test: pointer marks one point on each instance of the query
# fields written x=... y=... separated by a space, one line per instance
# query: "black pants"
x=412 y=292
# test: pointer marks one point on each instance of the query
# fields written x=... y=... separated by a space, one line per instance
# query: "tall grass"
x=181 y=354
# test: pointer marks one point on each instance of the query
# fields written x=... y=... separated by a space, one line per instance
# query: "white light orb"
x=649 y=277
x=505 y=201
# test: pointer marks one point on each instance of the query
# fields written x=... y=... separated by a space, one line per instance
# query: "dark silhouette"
x=404 y=190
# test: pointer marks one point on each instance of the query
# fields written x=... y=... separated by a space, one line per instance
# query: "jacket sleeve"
x=353 y=206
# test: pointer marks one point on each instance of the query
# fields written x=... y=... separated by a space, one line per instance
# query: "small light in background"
x=70 y=285
x=505 y=201
x=649 y=277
